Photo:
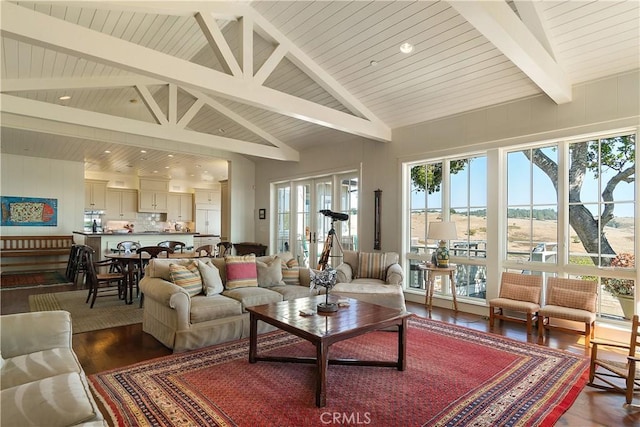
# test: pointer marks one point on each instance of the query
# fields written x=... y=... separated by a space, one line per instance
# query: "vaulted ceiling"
x=202 y=80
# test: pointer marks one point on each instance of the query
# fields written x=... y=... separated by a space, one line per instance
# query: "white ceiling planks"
x=456 y=66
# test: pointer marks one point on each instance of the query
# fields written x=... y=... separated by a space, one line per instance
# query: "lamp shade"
x=444 y=230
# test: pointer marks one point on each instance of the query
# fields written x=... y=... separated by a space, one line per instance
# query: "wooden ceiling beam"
x=501 y=26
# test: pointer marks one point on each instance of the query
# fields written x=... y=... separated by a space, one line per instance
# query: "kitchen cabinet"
x=122 y=204
x=207 y=196
x=153 y=195
x=207 y=220
x=151 y=201
x=95 y=195
x=180 y=207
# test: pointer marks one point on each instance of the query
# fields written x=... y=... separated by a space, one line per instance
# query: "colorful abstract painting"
x=29 y=211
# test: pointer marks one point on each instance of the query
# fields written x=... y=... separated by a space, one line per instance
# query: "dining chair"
x=207 y=249
x=617 y=375
x=153 y=252
x=224 y=248
x=519 y=293
x=172 y=244
x=75 y=264
x=128 y=246
x=111 y=283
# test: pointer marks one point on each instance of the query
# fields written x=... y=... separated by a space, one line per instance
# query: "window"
x=601 y=206
x=468 y=208
x=450 y=190
x=338 y=193
x=568 y=210
x=532 y=205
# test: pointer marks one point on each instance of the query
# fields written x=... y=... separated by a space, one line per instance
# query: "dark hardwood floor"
x=116 y=347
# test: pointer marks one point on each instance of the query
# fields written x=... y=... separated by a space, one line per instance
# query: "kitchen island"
x=105 y=243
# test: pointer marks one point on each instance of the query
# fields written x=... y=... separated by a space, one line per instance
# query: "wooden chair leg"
x=529 y=323
x=491 y=318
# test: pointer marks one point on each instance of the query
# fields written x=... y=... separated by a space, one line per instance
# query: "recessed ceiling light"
x=64 y=97
x=373 y=63
x=143 y=158
x=406 y=48
x=222 y=131
x=155 y=171
x=166 y=167
x=143 y=151
x=107 y=152
x=170 y=155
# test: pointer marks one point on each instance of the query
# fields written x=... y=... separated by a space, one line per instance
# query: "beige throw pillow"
x=520 y=293
x=270 y=274
x=573 y=299
x=211 y=280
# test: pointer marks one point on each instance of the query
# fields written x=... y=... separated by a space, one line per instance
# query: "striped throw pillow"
x=372 y=265
x=188 y=278
x=291 y=276
x=242 y=271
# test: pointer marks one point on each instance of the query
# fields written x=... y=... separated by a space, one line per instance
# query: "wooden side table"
x=432 y=272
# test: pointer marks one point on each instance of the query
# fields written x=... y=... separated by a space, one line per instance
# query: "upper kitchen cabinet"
x=153 y=195
x=204 y=196
x=122 y=204
x=180 y=207
x=95 y=195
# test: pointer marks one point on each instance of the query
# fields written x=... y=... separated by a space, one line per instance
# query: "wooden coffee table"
x=322 y=330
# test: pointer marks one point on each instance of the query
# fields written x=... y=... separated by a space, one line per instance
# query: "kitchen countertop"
x=136 y=233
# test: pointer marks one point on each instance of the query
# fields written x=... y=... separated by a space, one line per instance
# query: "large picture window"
x=566 y=208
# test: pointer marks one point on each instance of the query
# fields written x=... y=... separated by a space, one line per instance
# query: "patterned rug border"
x=560 y=376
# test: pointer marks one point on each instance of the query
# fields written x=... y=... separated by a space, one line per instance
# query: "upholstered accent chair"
x=518 y=293
x=371 y=277
x=573 y=300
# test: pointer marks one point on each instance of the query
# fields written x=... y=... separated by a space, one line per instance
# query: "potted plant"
x=623 y=289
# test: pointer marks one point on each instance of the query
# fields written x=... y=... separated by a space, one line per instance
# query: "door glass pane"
x=303 y=225
x=283 y=203
x=349 y=189
x=323 y=198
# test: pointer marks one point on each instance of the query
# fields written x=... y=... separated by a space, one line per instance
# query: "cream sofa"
x=371 y=277
x=183 y=322
x=41 y=379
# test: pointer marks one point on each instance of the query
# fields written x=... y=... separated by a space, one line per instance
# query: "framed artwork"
x=29 y=211
x=262 y=214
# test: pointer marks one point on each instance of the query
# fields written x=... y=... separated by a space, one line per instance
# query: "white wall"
x=24 y=176
x=600 y=105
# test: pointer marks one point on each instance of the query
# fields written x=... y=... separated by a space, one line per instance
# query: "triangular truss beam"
x=237 y=84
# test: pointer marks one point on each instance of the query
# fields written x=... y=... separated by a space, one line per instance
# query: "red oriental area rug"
x=455 y=377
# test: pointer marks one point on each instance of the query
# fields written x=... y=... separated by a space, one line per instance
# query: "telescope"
x=336 y=216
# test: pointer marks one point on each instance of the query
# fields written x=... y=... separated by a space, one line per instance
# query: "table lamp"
x=442 y=231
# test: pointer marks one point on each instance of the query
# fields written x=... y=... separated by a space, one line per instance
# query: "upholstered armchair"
x=363 y=267
x=371 y=277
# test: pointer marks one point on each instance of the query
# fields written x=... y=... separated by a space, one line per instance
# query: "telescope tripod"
x=328 y=245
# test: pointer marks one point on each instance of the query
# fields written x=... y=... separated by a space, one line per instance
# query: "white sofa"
x=379 y=281
x=41 y=379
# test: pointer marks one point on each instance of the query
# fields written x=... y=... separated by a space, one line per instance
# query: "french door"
x=305 y=199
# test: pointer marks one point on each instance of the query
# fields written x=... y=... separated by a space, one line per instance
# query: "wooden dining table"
x=128 y=261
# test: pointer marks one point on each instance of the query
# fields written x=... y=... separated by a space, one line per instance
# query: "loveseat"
x=214 y=310
x=41 y=378
x=371 y=277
